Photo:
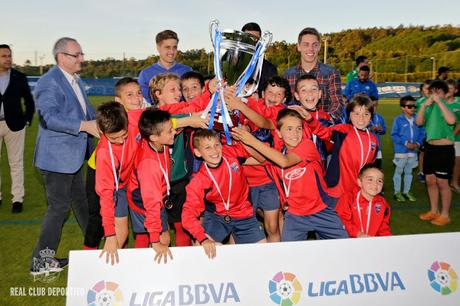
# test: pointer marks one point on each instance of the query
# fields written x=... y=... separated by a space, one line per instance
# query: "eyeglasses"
x=74 y=55
x=410 y=105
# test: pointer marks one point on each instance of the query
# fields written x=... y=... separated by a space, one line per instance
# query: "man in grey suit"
x=66 y=130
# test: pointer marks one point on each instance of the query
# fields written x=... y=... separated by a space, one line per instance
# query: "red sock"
x=142 y=241
x=182 y=238
x=88 y=248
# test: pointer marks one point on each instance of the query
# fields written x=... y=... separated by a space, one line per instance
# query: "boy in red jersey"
x=221 y=182
x=308 y=94
x=300 y=171
x=114 y=161
x=263 y=193
x=128 y=93
x=149 y=186
x=354 y=146
x=364 y=212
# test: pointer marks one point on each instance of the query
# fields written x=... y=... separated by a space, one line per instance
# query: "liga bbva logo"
x=105 y=294
x=443 y=278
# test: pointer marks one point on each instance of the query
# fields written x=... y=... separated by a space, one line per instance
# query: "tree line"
x=395 y=54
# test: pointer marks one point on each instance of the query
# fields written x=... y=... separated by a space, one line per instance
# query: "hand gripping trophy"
x=238 y=59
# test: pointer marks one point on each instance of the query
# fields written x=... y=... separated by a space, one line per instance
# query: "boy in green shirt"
x=438 y=117
x=451 y=98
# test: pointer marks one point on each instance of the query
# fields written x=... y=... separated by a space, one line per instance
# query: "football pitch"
x=19 y=232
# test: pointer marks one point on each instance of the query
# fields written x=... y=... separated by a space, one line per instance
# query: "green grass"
x=19 y=232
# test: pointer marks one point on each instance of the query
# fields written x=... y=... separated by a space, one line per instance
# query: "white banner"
x=398 y=270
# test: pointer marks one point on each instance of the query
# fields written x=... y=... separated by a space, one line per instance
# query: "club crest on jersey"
x=373 y=146
x=295 y=173
x=138 y=137
x=378 y=208
x=234 y=166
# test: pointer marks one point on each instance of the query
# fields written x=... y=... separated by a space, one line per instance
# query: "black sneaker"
x=17 y=207
x=48 y=265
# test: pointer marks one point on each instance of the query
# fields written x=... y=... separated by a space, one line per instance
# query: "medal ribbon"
x=112 y=160
x=363 y=161
x=369 y=208
x=226 y=203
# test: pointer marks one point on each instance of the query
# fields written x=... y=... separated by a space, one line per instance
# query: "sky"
x=117 y=29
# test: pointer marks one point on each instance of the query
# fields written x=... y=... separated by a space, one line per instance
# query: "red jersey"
x=375 y=224
x=352 y=150
x=196 y=105
x=148 y=179
x=303 y=184
x=201 y=187
x=105 y=179
x=257 y=175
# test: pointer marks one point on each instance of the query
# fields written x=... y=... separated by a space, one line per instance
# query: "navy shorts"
x=265 y=197
x=138 y=219
x=121 y=203
x=325 y=223
x=245 y=230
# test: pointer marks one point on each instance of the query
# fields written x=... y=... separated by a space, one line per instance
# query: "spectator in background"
x=308 y=45
x=451 y=98
x=360 y=61
x=13 y=120
x=362 y=85
x=166 y=42
x=64 y=140
x=443 y=72
x=378 y=127
x=268 y=69
x=439 y=118
x=425 y=92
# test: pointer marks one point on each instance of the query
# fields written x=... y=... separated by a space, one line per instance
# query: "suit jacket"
x=60 y=146
x=18 y=88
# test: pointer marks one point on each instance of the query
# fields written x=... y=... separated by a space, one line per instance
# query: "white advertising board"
x=398 y=270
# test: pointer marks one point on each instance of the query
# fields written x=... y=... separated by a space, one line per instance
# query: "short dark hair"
x=286 y=112
x=252 y=26
x=442 y=70
x=405 y=99
x=5 y=46
x=309 y=31
x=203 y=134
x=151 y=122
x=360 y=100
x=111 y=117
x=368 y=167
x=166 y=34
x=426 y=82
x=123 y=82
x=365 y=68
x=441 y=85
x=452 y=82
x=303 y=78
x=360 y=59
x=193 y=75
x=279 y=82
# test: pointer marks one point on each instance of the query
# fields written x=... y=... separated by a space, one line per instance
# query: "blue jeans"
x=404 y=166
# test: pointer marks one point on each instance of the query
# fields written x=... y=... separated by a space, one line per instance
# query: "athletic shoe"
x=421 y=177
x=440 y=221
x=428 y=216
x=17 y=207
x=398 y=196
x=48 y=265
x=410 y=197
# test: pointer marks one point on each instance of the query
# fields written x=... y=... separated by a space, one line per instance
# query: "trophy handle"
x=213 y=29
x=266 y=39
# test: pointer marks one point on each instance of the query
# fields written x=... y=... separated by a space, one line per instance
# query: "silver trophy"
x=238 y=59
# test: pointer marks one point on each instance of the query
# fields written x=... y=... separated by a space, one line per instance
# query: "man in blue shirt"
x=166 y=42
x=362 y=85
